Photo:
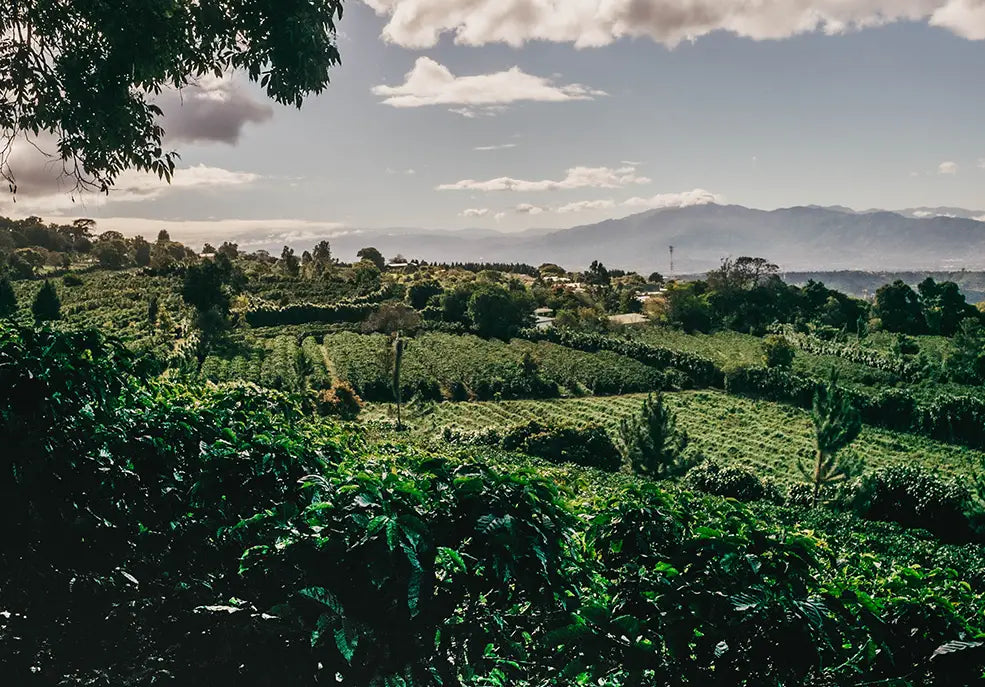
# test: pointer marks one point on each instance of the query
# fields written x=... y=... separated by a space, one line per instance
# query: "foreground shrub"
x=731 y=481
x=777 y=352
x=340 y=400
x=587 y=445
x=915 y=497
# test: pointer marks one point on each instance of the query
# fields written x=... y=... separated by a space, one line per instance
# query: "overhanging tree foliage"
x=87 y=72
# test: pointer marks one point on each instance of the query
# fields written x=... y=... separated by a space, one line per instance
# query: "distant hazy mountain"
x=925 y=212
x=797 y=239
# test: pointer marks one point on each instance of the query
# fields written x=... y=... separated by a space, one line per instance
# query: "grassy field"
x=767 y=436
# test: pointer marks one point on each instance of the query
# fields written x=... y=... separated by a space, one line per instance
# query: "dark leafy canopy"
x=86 y=72
x=372 y=255
x=158 y=534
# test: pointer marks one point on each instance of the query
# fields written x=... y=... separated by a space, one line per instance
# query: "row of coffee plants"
x=276 y=363
x=440 y=366
x=700 y=371
x=905 y=369
x=354 y=309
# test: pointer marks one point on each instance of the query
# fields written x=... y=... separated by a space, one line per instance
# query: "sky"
x=516 y=114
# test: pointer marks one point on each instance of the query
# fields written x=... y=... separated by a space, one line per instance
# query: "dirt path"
x=329 y=365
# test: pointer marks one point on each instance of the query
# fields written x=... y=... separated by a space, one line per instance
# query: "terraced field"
x=460 y=367
x=115 y=303
x=767 y=436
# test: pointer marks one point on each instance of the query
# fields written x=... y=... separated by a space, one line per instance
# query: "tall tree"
x=321 y=255
x=141 y=251
x=898 y=308
x=87 y=73
x=650 y=441
x=836 y=425
x=47 y=306
x=372 y=255
x=944 y=306
x=289 y=262
x=8 y=299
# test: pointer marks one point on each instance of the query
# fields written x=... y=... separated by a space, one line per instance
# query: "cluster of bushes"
x=339 y=400
x=697 y=370
x=585 y=445
x=916 y=497
x=173 y=535
x=730 y=481
x=897 y=365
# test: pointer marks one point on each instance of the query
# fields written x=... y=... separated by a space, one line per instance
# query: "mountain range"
x=806 y=238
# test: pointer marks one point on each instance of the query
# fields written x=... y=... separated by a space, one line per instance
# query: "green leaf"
x=325 y=598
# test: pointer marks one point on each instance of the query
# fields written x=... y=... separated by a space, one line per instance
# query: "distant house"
x=543 y=318
x=629 y=318
x=644 y=296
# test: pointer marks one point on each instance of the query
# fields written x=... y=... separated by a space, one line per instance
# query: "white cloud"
x=964 y=17
x=408 y=172
x=499 y=215
x=528 y=209
x=698 y=196
x=947 y=167
x=246 y=232
x=502 y=146
x=576 y=177
x=475 y=212
x=592 y=23
x=583 y=205
x=981 y=162
x=430 y=83
x=42 y=187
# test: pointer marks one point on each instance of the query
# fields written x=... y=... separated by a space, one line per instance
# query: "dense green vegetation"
x=574 y=504
x=146 y=512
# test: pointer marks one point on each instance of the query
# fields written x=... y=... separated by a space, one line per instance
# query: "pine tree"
x=153 y=309
x=47 y=305
x=836 y=425
x=651 y=443
x=8 y=299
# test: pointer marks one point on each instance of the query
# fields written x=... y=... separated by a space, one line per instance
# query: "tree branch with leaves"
x=87 y=73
